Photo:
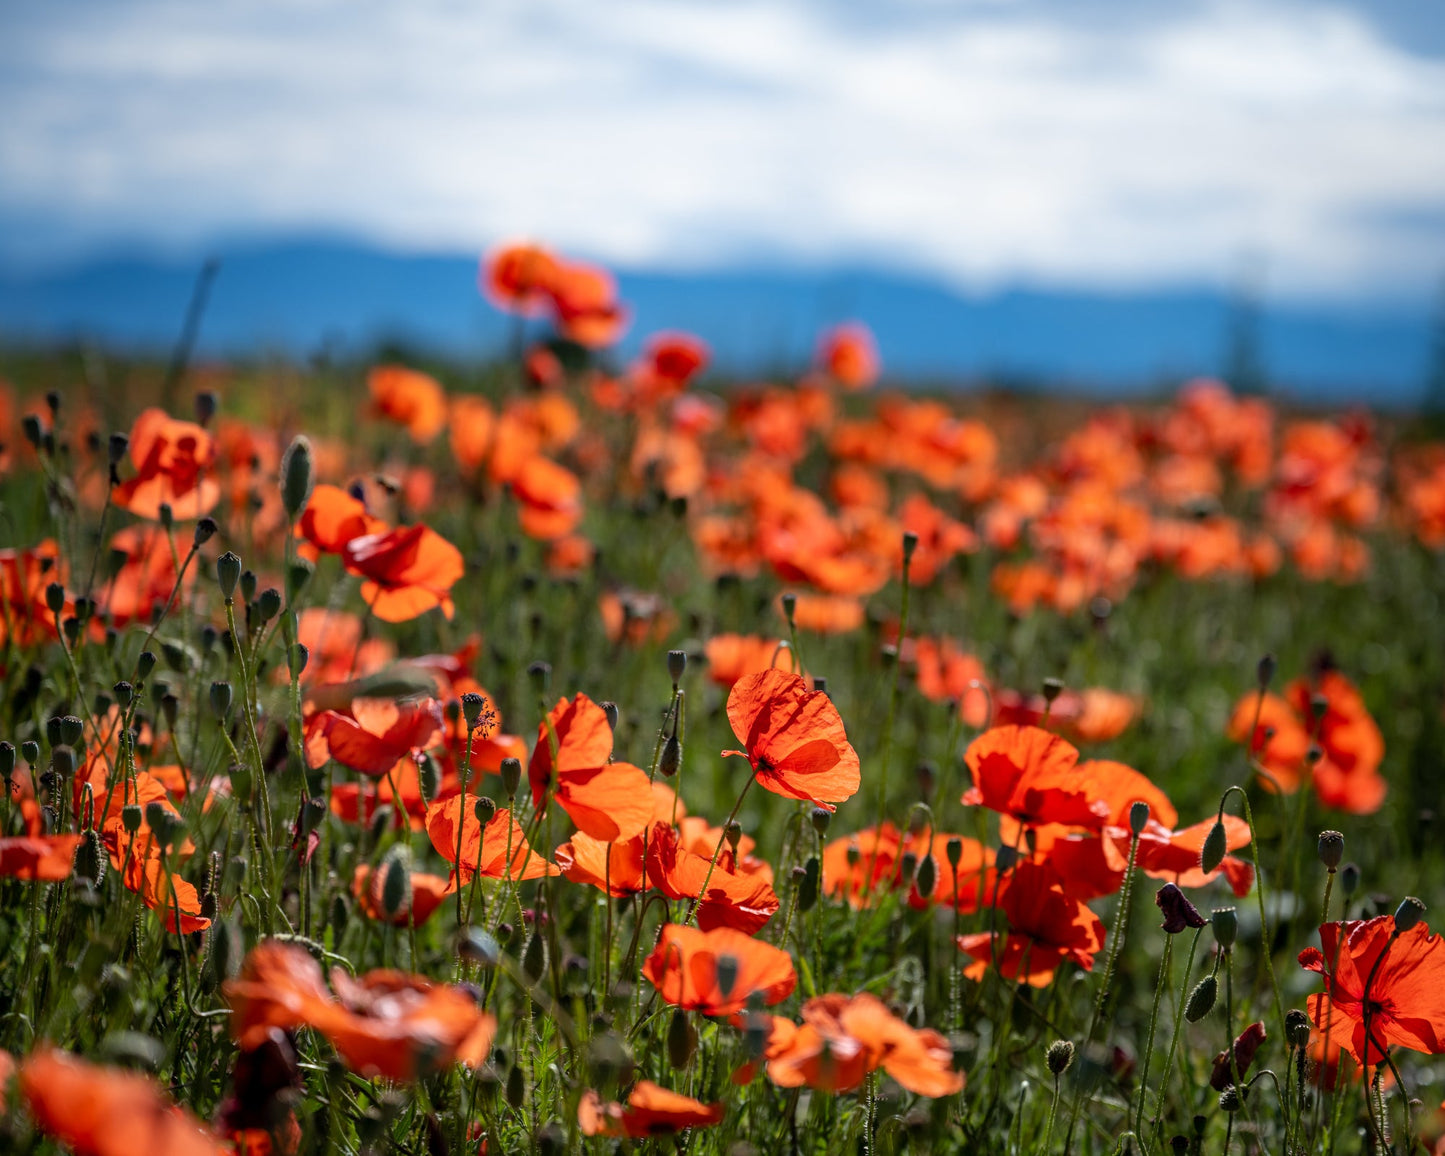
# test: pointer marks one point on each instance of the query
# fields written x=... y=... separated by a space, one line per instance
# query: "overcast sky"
x=991 y=142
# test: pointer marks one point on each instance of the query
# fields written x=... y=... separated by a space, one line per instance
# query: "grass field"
x=437 y=759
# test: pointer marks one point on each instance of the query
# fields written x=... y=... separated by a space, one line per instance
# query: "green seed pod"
x=671 y=758
x=954 y=850
x=821 y=817
x=1331 y=848
x=1226 y=926
x=1408 y=914
x=808 y=886
x=205 y=530
x=1216 y=844
x=249 y=582
x=62 y=761
x=55 y=597
x=1053 y=687
x=511 y=771
x=926 y=877
x=298 y=574
x=131 y=817
x=429 y=777
x=681 y=1040
x=268 y=604
x=473 y=704
x=339 y=915
x=1229 y=1099
x=296 y=476
x=1297 y=1028
x=1138 y=817
x=910 y=544
x=296 y=659
x=1060 y=1055
x=1201 y=999
x=228 y=573
x=221 y=699
x=395 y=882
x=381 y=819
x=484 y=809
x=676 y=664
x=30 y=751
x=534 y=958
x=145 y=663
x=1350 y=879
x=52 y=731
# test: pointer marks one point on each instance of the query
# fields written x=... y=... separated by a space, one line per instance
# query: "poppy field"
x=577 y=753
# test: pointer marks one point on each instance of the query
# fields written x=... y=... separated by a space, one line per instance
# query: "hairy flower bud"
x=1216 y=844
x=296 y=476
x=1060 y=1055
x=1201 y=999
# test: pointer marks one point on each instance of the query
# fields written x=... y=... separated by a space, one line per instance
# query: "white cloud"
x=984 y=142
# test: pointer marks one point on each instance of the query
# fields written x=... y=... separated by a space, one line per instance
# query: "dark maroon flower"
x=1244 y=1049
x=1179 y=913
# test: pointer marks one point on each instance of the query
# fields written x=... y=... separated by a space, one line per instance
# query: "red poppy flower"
x=97 y=1111
x=850 y=355
x=24 y=575
x=172 y=459
x=519 y=278
x=379 y=732
x=408 y=571
x=745 y=902
x=609 y=801
x=332 y=518
x=669 y=363
x=1174 y=855
x=585 y=300
x=165 y=892
x=1033 y=776
x=1046 y=928
x=1407 y=996
x=484 y=852
x=409 y=399
x=550 y=498
x=42 y=858
x=1280 y=740
x=428 y=892
x=684 y=968
x=615 y=868
x=843 y=1038
x=650 y=1111
x=794 y=738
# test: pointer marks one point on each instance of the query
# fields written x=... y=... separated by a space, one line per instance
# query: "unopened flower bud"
x=1060 y=1055
x=727 y=974
x=808 y=887
x=511 y=771
x=297 y=656
x=910 y=544
x=484 y=808
x=681 y=1040
x=228 y=573
x=670 y=761
x=1216 y=844
x=145 y=663
x=1264 y=672
x=124 y=693
x=55 y=597
x=268 y=605
x=926 y=877
x=296 y=479
x=62 y=761
x=1409 y=913
x=249 y=582
x=1350 y=879
x=30 y=752
x=221 y=699
x=1201 y=999
x=954 y=850
x=1331 y=848
x=131 y=817
x=516 y=1092
x=534 y=958
x=733 y=833
x=116 y=448
x=395 y=882
x=205 y=530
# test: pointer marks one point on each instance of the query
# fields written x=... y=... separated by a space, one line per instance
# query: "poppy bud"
x=205 y=530
x=1350 y=878
x=268 y=605
x=298 y=573
x=1060 y=1055
x=429 y=776
x=145 y=663
x=511 y=770
x=926 y=876
x=476 y=946
x=62 y=761
x=166 y=515
x=671 y=759
x=727 y=974
x=116 y=447
x=228 y=573
x=733 y=833
x=1138 y=816
x=52 y=730
x=1409 y=913
x=1229 y=1099
x=32 y=429
x=249 y=582
x=1331 y=848
x=90 y=859
x=1179 y=913
x=395 y=882
x=339 y=915
x=312 y=812
x=297 y=657
x=541 y=675
x=1226 y=926
x=1216 y=843
x=55 y=597
x=609 y=708
x=1053 y=687
x=789 y=603
x=516 y=1091
x=1264 y=672
x=221 y=698
x=681 y=1040
x=820 y=817
x=534 y=959
x=908 y=865
x=30 y=751
x=381 y=819
x=472 y=706
x=484 y=809
x=954 y=850
x=910 y=544
x=131 y=817
x=207 y=402
x=808 y=886
x=676 y=664
x=296 y=477
x=1297 y=1028
x=1201 y=999
x=1005 y=857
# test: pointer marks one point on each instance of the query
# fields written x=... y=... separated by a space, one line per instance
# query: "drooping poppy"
x=794 y=738
x=689 y=967
x=98 y=1111
x=1033 y=776
x=484 y=852
x=1237 y=1057
x=1046 y=927
x=744 y=902
x=609 y=801
x=650 y=1111
x=408 y=571
x=1406 y=999
x=843 y=1038
x=428 y=892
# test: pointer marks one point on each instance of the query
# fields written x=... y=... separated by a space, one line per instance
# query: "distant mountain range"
x=296 y=298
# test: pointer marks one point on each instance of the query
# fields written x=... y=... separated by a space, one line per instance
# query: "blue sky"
x=1104 y=144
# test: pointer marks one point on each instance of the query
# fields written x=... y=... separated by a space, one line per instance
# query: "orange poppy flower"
x=97 y=1111
x=1407 y=995
x=24 y=575
x=164 y=892
x=1174 y=855
x=410 y=399
x=744 y=902
x=172 y=459
x=731 y=656
x=794 y=738
x=427 y=894
x=378 y=733
x=609 y=801
x=669 y=363
x=519 y=277
x=650 y=1111
x=849 y=355
x=471 y=425
x=1033 y=776
x=333 y=518
x=685 y=963
x=41 y=858
x=585 y=300
x=615 y=868
x=1350 y=738
x=550 y=498
x=843 y=1038
x=408 y=571
x=945 y=671
x=484 y=852
x=1280 y=740
x=1046 y=928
